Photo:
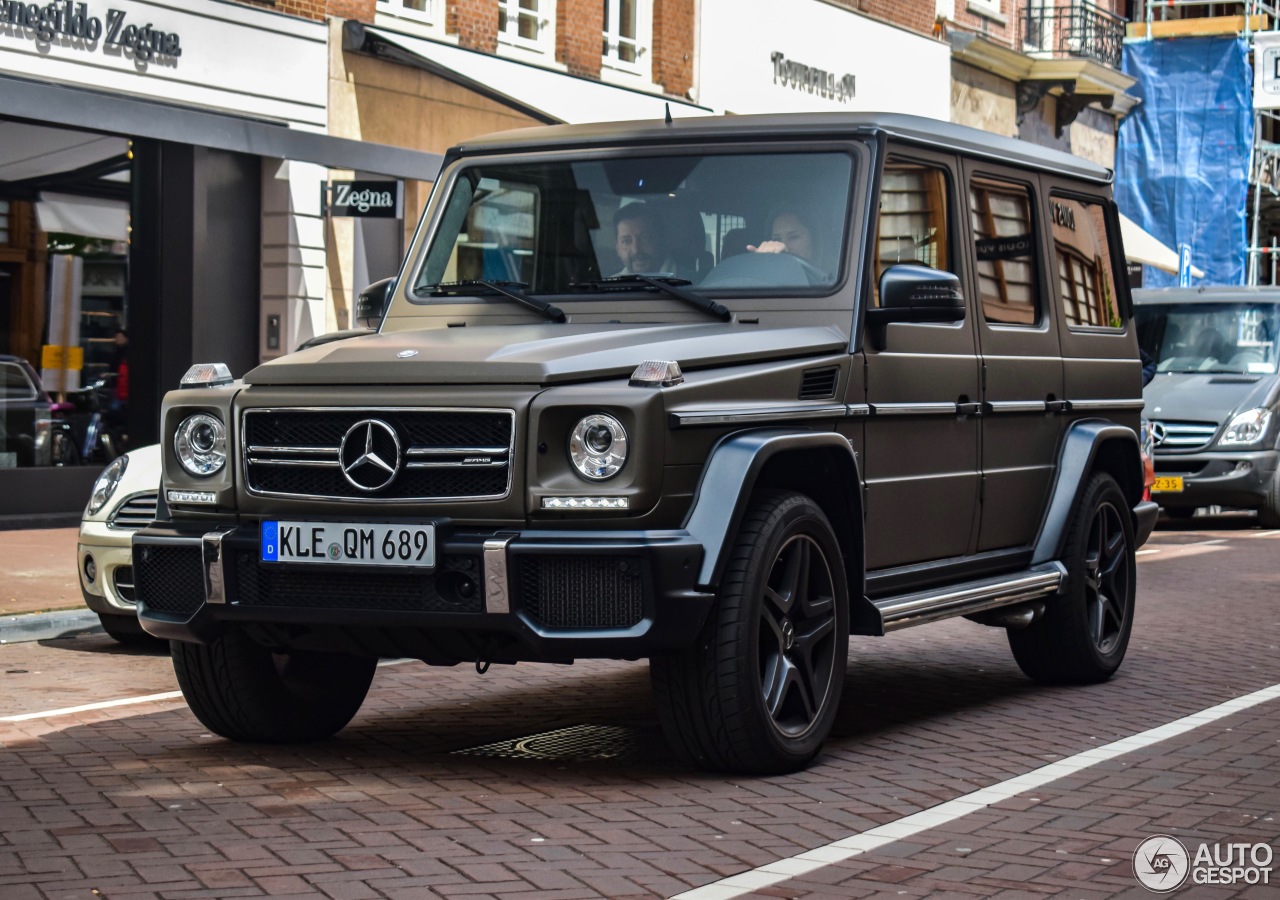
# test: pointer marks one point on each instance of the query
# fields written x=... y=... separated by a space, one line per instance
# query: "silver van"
x=1212 y=403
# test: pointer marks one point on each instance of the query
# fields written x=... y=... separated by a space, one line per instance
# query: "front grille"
x=136 y=512
x=582 y=591
x=1184 y=435
x=445 y=454
x=455 y=586
x=169 y=578
x=123 y=579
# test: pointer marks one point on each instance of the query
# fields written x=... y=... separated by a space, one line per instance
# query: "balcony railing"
x=1075 y=29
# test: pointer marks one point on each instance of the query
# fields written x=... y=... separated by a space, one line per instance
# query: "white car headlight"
x=106 y=485
x=201 y=444
x=1249 y=427
x=598 y=447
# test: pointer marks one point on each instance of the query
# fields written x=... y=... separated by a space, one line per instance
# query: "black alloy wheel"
x=1084 y=632
x=758 y=691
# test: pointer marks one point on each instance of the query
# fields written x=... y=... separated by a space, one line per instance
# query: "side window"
x=1083 y=252
x=497 y=239
x=1004 y=238
x=912 y=227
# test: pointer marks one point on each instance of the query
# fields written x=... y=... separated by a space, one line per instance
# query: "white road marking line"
x=1265 y=534
x=89 y=707
x=872 y=839
x=1145 y=552
x=129 y=701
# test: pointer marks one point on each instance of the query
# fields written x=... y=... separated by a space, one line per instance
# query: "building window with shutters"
x=416 y=10
x=528 y=25
x=628 y=33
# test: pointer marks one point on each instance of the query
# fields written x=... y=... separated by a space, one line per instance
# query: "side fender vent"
x=819 y=384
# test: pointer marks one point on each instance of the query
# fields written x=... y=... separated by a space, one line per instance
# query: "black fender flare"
x=733 y=470
x=1090 y=444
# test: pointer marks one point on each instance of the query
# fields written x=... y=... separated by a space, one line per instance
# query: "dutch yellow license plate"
x=1169 y=484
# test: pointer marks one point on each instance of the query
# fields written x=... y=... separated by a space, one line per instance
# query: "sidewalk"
x=38 y=571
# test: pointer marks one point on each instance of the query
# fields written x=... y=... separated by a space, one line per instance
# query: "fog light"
x=90 y=568
x=1243 y=466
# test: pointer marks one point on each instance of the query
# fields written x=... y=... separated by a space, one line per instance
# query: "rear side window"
x=1005 y=241
x=1083 y=256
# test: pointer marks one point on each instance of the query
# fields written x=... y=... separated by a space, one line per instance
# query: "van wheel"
x=757 y=693
x=244 y=691
x=1082 y=637
x=1269 y=512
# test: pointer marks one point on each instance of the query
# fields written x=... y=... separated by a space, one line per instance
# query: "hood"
x=539 y=354
x=1204 y=397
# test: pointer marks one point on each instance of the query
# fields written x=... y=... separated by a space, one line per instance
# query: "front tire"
x=1269 y=512
x=758 y=691
x=1083 y=635
x=244 y=691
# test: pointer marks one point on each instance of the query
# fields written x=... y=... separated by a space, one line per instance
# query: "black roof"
x=912 y=129
x=1259 y=294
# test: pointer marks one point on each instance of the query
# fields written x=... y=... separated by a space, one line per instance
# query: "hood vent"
x=819 y=384
x=1235 y=379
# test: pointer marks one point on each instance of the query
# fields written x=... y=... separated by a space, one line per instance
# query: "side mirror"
x=373 y=301
x=911 y=293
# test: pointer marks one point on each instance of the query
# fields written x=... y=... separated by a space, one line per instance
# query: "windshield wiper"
x=666 y=284
x=512 y=290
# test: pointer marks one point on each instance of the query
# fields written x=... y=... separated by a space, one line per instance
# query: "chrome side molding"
x=906 y=610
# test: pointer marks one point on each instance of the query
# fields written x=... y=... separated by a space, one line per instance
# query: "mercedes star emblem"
x=1158 y=433
x=370 y=455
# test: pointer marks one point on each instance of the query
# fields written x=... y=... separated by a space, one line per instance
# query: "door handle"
x=965 y=408
x=1057 y=406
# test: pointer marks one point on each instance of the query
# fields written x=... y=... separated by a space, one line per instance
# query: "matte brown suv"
x=717 y=393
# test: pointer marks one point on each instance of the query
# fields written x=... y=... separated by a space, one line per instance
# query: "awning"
x=550 y=97
x=88 y=216
x=54 y=104
x=1141 y=246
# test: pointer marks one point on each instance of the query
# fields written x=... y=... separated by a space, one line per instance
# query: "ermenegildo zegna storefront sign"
x=362 y=199
x=73 y=23
x=792 y=74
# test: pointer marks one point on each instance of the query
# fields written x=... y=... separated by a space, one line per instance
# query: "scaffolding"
x=1162 y=19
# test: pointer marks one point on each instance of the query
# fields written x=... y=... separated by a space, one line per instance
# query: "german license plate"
x=349 y=543
x=1169 y=484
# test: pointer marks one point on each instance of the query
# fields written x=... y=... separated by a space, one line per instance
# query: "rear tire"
x=758 y=691
x=244 y=691
x=1082 y=637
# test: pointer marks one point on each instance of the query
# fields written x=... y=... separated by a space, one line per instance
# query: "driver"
x=791 y=233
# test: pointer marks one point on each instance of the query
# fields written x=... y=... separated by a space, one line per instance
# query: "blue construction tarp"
x=1182 y=156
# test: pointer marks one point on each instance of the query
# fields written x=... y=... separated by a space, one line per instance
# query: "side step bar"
x=906 y=610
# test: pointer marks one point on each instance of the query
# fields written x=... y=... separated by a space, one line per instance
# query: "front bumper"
x=503 y=596
x=111 y=590
x=1218 y=478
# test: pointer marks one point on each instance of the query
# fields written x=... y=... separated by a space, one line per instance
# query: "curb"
x=47 y=626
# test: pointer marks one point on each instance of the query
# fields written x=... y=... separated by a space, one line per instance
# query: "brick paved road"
x=429 y=794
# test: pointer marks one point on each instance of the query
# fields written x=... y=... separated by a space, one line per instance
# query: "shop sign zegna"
x=812 y=80
x=73 y=24
x=361 y=199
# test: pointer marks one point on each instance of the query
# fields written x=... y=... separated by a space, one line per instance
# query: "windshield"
x=1211 y=337
x=773 y=222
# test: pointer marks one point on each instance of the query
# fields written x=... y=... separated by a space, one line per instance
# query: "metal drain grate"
x=576 y=743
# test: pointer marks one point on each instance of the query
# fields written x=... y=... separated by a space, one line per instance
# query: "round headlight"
x=201 y=444
x=106 y=484
x=598 y=447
